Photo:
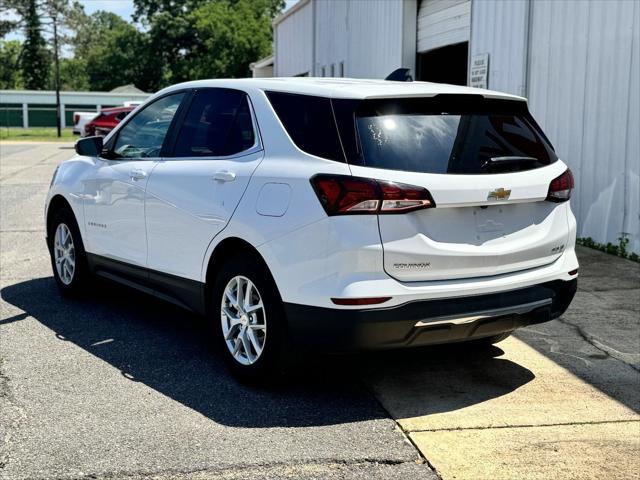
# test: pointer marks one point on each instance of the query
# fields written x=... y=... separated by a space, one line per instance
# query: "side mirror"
x=89 y=146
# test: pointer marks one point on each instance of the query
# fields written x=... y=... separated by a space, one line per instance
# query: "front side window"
x=218 y=124
x=144 y=135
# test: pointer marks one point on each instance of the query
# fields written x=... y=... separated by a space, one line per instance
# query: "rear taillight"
x=561 y=187
x=76 y=117
x=346 y=195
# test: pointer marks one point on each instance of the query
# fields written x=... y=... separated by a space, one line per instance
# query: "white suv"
x=329 y=214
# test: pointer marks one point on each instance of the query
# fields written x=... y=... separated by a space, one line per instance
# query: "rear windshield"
x=456 y=135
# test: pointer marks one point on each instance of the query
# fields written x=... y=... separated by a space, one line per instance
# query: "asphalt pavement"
x=121 y=385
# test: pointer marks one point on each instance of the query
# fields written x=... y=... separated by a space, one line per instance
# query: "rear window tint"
x=309 y=122
x=455 y=135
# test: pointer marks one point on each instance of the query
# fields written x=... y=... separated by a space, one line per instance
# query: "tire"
x=68 y=260
x=253 y=354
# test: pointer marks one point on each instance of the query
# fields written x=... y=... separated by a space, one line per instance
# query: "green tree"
x=35 y=62
x=9 y=58
x=90 y=30
x=114 y=52
x=35 y=19
x=73 y=75
x=123 y=56
x=230 y=35
x=199 y=39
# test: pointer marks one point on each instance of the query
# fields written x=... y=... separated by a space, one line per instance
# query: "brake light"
x=561 y=187
x=347 y=195
x=76 y=117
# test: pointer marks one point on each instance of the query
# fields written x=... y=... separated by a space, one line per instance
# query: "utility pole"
x=57 y=71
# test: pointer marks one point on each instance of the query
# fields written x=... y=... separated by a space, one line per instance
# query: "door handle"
x=224 y=176
x=137 y=174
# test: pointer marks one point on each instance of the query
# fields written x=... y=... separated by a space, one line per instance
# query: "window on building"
x=309 y=122
x=218 y=124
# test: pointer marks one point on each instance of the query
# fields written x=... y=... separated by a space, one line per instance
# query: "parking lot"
x=121 y=385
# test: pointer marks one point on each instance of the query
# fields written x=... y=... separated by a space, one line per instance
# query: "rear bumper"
x=427 y=322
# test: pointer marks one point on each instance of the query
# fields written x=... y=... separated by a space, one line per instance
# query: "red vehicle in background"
x=106 y=120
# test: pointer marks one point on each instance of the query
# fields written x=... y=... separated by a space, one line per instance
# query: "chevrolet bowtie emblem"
x=499 y=194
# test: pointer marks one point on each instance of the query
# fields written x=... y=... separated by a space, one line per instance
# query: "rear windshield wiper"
x=508 y=161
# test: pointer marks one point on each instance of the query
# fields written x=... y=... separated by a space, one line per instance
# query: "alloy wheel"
x=244 y=320
x=64 y=254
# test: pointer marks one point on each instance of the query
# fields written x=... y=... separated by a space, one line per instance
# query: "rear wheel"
x=68 y=257
x=247 y=313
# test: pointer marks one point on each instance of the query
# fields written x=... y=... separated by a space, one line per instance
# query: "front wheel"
x=248 y=311
x=68 y=258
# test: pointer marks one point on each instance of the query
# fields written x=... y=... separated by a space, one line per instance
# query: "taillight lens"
x=561 y=187
x=347 y=195
x=76 y=117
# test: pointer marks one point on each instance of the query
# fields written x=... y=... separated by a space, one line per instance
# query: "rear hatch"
x=488 y=167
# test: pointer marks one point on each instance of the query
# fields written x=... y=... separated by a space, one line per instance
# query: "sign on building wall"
x=479 y=70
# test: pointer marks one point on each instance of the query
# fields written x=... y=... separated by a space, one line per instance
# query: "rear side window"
x=218 y=123
x=309 y=122
x=460 y=136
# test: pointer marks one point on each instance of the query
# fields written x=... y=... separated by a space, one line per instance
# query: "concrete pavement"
x=121 y=385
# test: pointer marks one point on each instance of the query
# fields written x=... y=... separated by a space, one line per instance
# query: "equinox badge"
x=499 y=194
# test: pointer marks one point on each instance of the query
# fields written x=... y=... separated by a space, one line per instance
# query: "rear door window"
x=465 y=136
x=218 y=123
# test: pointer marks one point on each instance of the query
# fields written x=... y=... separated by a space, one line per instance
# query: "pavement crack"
x=531 y=425
x=405 y=433
x=605 y=349
x=237 y=471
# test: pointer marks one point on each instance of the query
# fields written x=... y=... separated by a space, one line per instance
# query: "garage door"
x=443 y=22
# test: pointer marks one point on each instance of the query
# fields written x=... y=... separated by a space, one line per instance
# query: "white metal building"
x=577 y=61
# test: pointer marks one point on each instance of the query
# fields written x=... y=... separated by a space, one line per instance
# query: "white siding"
x=371 y=37
x=443 y=22
x=584 y=89
x=70 y=98
x=581 y=73
x=331 y=34
x=374 y=38
x=294 y=42
x=500 y=29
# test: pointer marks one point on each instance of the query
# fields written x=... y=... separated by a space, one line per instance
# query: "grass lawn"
x=48 y=134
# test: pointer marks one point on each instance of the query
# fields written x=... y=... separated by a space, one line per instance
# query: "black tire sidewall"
x=81 y=273
x=272 y=362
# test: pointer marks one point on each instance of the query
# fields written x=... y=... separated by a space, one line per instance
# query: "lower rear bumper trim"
x=475 y=316
x=427 y=322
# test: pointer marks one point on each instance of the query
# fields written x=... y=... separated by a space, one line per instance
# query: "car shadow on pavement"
x=167 y=349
